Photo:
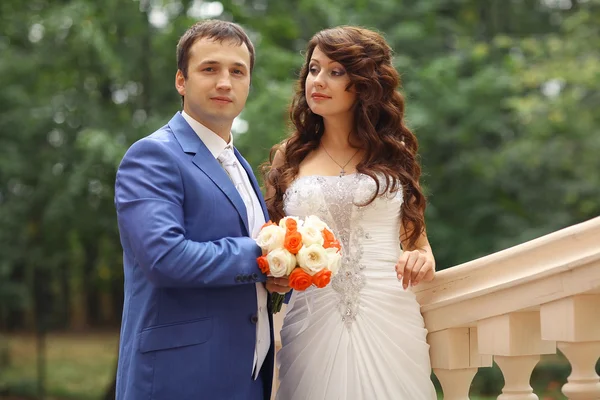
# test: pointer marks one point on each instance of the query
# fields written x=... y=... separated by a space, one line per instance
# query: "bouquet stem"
x=276 y=302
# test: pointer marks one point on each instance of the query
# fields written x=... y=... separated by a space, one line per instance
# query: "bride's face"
x=326 y=85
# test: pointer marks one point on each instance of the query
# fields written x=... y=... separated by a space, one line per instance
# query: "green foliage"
x=502 y=96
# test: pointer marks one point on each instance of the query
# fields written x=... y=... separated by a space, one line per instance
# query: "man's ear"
x=180 y=82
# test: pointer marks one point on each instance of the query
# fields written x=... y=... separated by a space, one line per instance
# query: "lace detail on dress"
x=350 y=279
x=335 y=200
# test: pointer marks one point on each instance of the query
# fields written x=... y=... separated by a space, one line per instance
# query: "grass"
x=78 y=366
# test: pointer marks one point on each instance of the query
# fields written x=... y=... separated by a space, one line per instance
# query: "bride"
x=352 y=162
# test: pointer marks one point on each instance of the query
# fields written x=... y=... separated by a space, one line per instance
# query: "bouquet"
x=306 y=251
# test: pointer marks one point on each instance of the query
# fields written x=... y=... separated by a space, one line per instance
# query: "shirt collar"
x=211 y=140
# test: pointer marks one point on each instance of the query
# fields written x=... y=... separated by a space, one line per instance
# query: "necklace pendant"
x=342 y=172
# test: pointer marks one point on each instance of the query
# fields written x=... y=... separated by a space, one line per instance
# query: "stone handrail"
x=515 y=305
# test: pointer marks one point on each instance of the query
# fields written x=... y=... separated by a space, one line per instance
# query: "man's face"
x=217 y=84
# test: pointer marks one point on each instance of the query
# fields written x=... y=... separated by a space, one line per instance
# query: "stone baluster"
x=516 y=343
x=455 y=360
x=574 y=322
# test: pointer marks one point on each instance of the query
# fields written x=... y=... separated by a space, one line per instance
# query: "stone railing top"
x=554 y=266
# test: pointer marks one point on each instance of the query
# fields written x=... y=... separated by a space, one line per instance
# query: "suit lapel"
x=254 y=182
x=212 y=168
x=203 y=159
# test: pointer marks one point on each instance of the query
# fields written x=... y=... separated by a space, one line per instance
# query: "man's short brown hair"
x=221 y=31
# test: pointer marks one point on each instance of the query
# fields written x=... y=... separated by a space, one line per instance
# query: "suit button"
x=238 y=278
x=254 y=319
x=255 y=276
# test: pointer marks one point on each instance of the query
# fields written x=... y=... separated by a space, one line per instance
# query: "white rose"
x=312 y=259
x=334 y=258
x=282 y=222
x=315 y=221
x=281 y=262
x=270 y=238
x=311 y=234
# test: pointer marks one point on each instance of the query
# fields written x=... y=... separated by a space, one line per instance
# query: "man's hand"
x=279 y=285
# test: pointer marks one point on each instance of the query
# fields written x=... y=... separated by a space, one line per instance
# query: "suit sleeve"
x=149 y=203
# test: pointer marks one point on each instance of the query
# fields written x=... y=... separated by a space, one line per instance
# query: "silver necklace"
x=342 y=170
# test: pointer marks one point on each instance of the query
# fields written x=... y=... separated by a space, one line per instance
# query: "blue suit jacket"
x=190 y=309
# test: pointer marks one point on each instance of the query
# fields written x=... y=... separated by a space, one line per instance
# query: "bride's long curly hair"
x=390 y=148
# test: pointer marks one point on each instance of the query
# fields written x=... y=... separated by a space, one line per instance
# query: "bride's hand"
x=415 y=266
x=279 y=285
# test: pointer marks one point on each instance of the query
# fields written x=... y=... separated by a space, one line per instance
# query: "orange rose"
x=299 y=280
x=263 y=264
x=291 y=224
x=334 y=244
x=327 y=236
x=337 y=245
x=322 y=278
x=329 y=240
x=292 y=241
x=267 y=224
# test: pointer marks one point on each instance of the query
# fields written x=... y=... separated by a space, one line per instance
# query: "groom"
x=195 y=319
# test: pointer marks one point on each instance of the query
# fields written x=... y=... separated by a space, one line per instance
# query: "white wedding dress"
x=362 y=337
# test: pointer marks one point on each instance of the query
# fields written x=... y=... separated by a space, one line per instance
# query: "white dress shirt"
x=217 y=146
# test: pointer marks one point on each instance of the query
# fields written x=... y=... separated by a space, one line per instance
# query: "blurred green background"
x=503 y=96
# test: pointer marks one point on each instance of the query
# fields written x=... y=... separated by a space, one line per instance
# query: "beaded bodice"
x=369 y=234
